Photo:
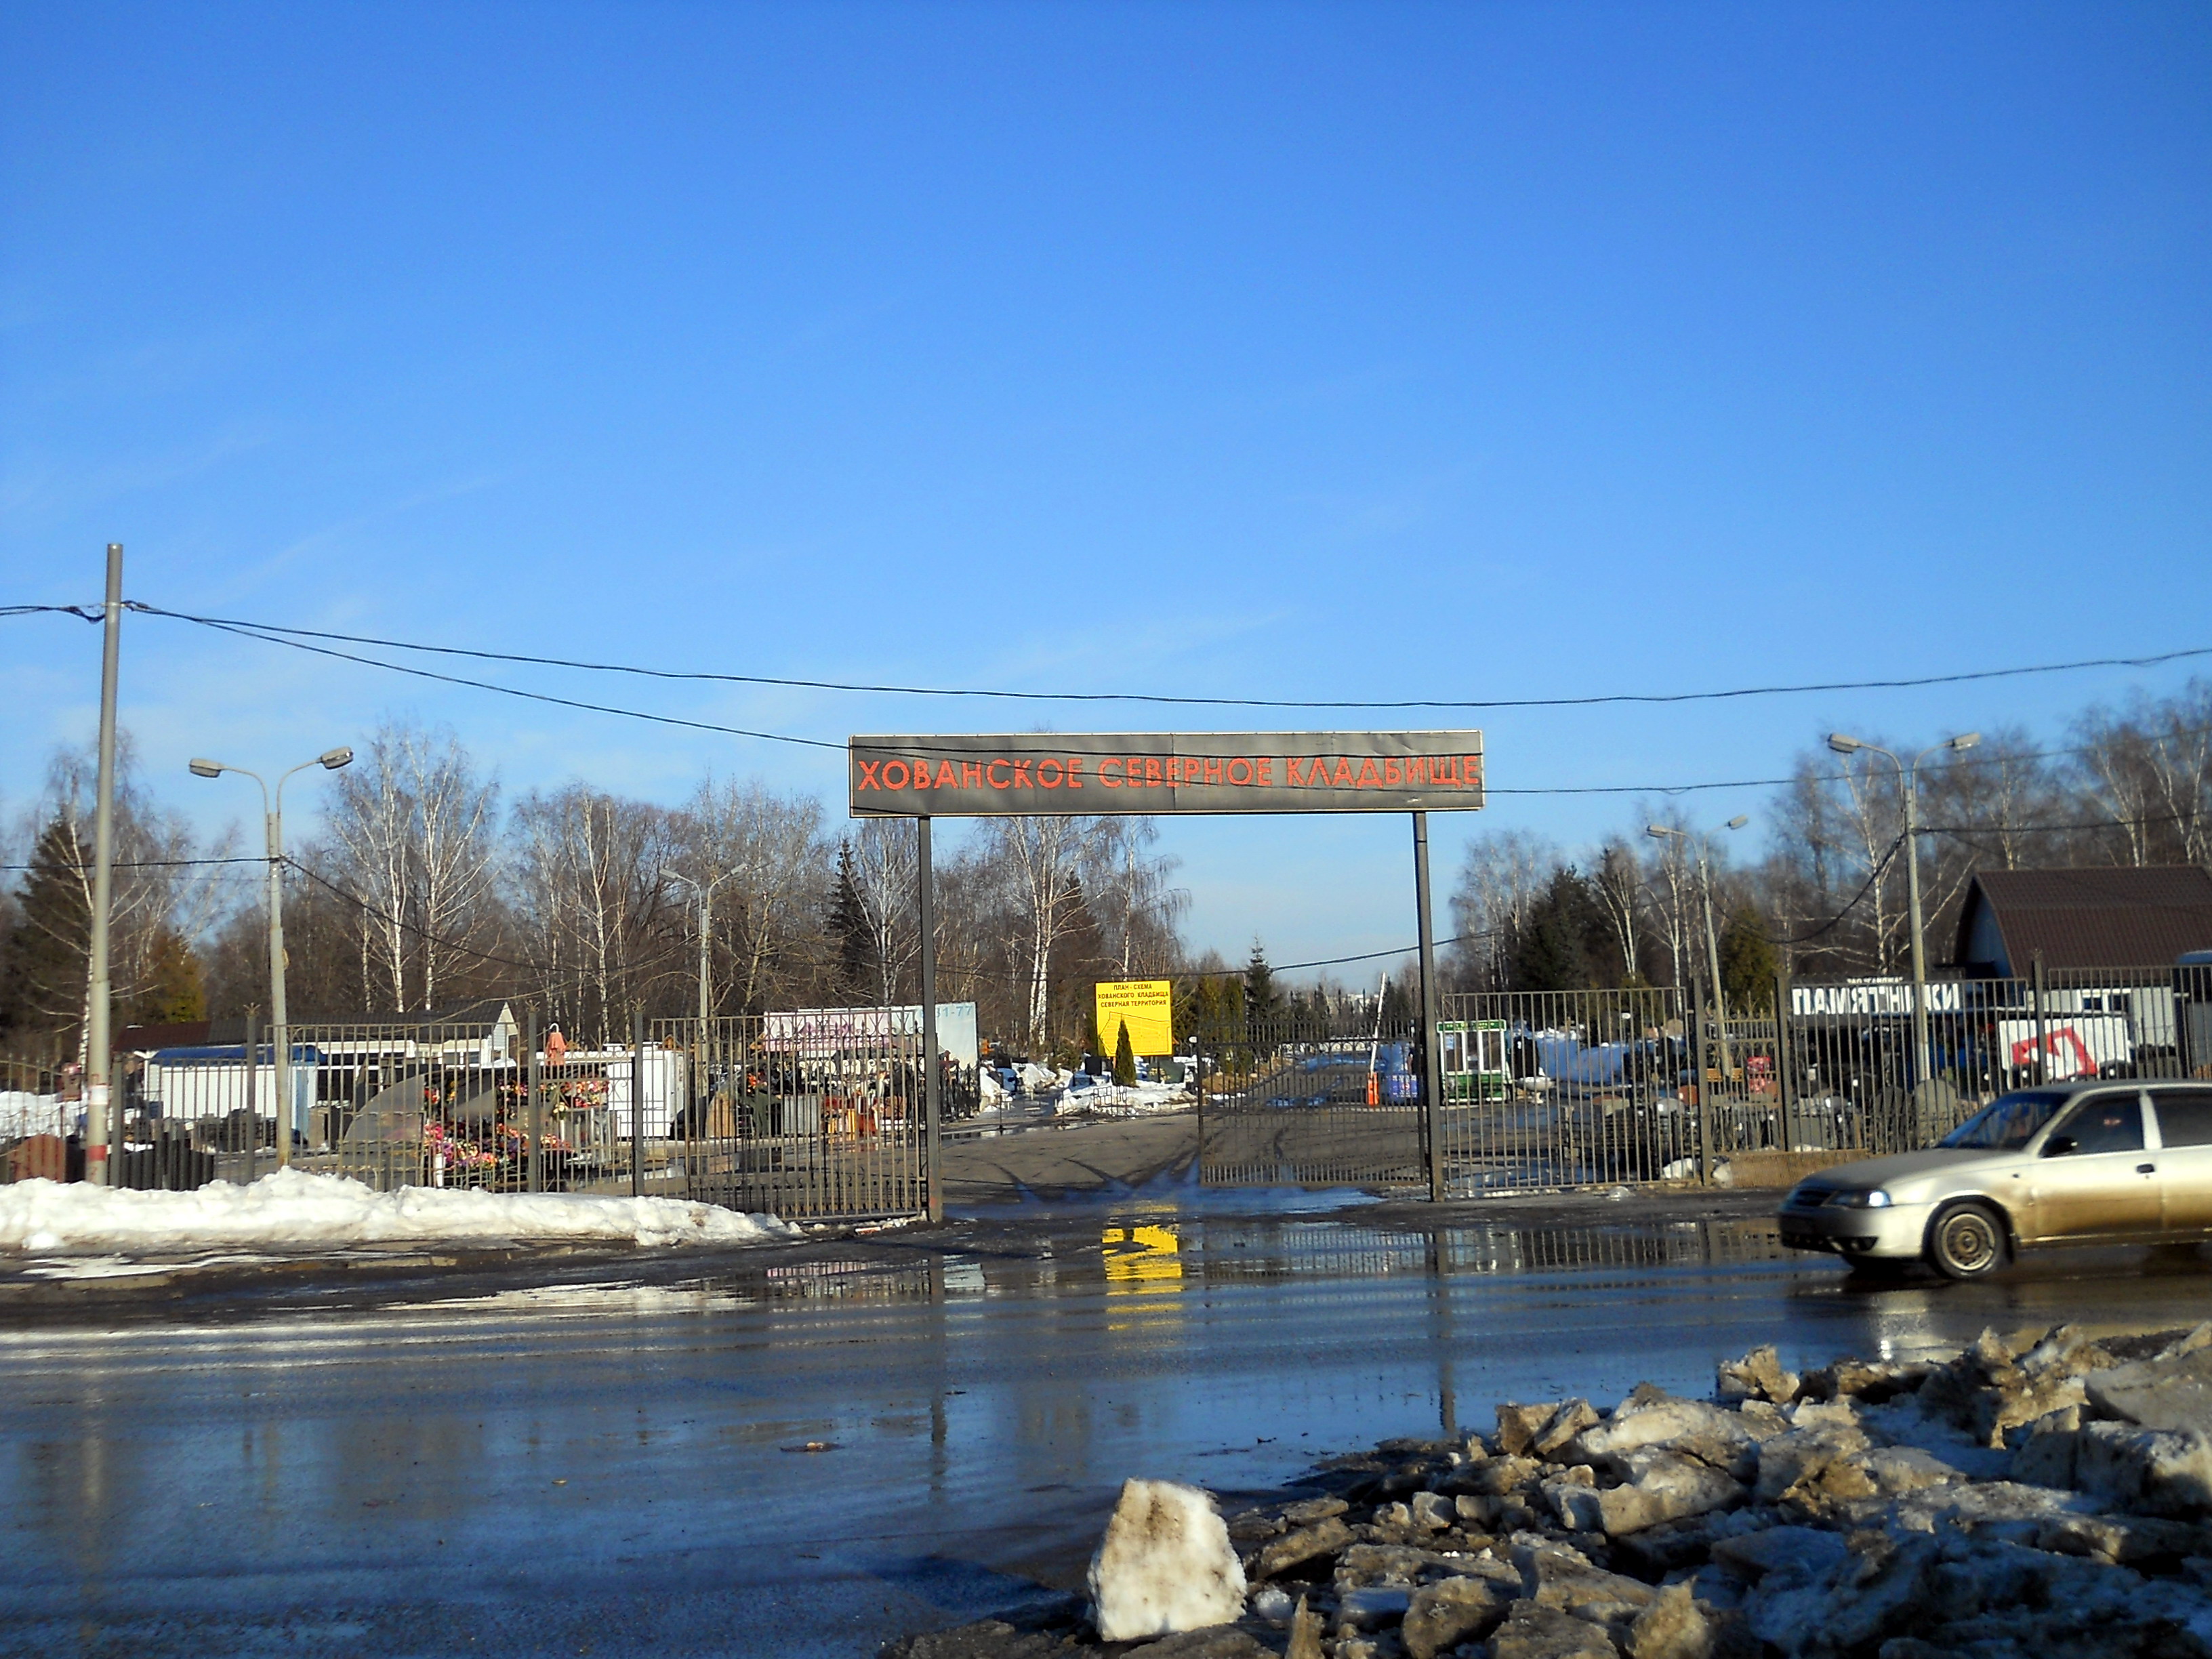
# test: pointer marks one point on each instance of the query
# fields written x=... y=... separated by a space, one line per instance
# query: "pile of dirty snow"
x=2050 y=1495
x=293 y=1211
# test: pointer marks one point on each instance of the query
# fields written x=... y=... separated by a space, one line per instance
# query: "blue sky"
x=1289 y=350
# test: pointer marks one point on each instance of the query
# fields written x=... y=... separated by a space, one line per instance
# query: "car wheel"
x=1967 y=1240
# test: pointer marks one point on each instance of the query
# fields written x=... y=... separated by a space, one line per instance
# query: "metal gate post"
x=1704 y=1090
x=252 y=1108
x=532 y=1122
x=1432 y=1116
x=1783 y=1099
x=637 y=1101
x=2042 y=1036
x=1198 y=1067
x=932 y=1086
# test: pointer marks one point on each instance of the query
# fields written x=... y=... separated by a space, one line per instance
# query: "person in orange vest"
x=556 y=1046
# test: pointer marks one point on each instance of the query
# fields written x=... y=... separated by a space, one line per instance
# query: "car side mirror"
x=2059 y=1145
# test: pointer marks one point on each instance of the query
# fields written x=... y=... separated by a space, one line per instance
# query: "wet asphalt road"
x=610 y=1467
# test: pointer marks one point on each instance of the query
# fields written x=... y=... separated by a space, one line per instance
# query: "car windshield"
x=2007 y=1122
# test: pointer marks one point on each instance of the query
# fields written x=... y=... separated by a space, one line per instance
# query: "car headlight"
x=1877 y=1199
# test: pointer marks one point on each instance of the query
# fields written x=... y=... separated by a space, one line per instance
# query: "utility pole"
x=102 y=1123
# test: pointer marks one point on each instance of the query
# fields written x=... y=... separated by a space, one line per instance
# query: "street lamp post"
x=706 y=938
x=1660 y=831
x=1908 y=782
x=272 y=814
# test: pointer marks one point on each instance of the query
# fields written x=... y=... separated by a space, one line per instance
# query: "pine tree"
x=1747 y=963
x=1262 y=1000
x=1125 y=1061
x=1551 y=950
x=849 y=930
x=1399 y=1008
x=43 y=984
x=175 y=989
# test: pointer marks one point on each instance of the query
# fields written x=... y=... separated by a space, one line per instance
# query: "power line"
x=1835 y=920
x=1968 y=830
x=864 y=687
x=253 y=631
x=1331 y=961
x=271 y=633
x=137 y=864
x=391 y=920
x=248 y=631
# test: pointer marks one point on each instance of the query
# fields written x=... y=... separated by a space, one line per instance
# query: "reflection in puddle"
x=1141 y=1258
x=1151 y=1258
x=977 y=1398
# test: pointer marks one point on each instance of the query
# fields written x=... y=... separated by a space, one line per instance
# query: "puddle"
x=579 y=1461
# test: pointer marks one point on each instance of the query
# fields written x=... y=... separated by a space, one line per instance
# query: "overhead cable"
x=1167 y=698
x=246 y=631
x=139 y=864
x=299 y=639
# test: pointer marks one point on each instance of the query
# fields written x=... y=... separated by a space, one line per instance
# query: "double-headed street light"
x=1908 y=782
x=706 y=938
x=273 y=815
x=1662 y=832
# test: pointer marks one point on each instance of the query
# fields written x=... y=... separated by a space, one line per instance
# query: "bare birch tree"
x=413 y=834
x=768 y=851
x=1504 y=872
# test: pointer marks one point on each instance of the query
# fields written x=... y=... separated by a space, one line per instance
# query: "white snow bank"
x=293 y=1211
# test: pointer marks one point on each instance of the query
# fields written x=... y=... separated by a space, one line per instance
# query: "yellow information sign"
x=1146 y=1006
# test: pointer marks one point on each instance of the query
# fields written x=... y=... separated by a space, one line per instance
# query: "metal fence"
x=754 y=1113
x=1849 y=1073
x=1538 y=1089
x=1561 y=1089
x=1555 y=1089
x=786 y=1115
x=804 y=1119
x=1311 y=1103
x=40 y=1109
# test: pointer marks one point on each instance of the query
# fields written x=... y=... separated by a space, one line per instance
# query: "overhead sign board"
x=1052 y=775
x=1146 y=1006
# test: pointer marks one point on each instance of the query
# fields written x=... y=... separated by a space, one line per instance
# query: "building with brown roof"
x=2083 y=919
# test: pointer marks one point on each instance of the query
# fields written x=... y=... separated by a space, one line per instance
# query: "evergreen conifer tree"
x=1125 y=1061
x=1262 y=1000
x=847 y=927
x=175 y=989
x=43 y=985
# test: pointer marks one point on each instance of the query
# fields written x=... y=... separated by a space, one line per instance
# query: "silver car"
x=2100 y=1163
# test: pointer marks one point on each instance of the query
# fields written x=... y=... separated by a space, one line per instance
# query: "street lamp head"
x=1738 y=822
x=1843 y=744
x=206 y=769
x=332 y=759
x=1965 y=741
x=1660 y=831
